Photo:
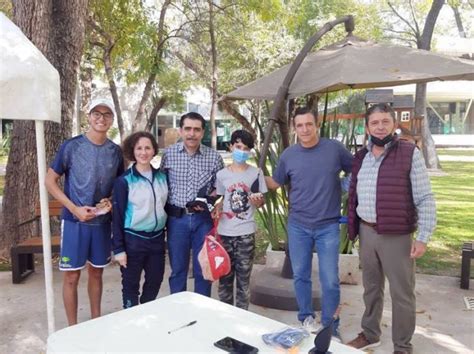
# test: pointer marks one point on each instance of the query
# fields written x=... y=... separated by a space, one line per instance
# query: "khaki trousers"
x=388 y=255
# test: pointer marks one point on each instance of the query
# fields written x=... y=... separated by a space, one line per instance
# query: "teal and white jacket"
x=138 y=208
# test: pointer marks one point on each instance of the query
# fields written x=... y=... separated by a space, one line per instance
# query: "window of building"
x=405 y=116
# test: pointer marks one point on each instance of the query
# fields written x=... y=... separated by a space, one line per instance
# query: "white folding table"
x=145 y=328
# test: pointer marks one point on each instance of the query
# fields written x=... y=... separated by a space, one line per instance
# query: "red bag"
x=213 y=258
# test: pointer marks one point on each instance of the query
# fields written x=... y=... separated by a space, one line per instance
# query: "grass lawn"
x=454 y=195
x=456 y=152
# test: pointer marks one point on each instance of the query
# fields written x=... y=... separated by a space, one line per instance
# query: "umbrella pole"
x=282 y=93
x=277 y=108
x=45 y=229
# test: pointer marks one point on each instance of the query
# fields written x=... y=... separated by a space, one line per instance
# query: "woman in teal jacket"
x=139 y=217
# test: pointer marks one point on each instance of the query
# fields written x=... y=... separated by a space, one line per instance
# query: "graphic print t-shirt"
x=238 y=214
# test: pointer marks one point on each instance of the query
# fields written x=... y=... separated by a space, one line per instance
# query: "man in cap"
x=90 y=163
x=389 y=198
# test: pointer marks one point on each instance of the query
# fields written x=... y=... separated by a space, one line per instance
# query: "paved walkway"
x=443 y=323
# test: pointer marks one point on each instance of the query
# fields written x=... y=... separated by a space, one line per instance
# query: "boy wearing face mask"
x=242 y=187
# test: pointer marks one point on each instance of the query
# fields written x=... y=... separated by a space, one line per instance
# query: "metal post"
x=46 y=231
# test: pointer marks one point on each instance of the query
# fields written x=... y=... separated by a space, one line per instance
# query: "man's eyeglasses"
x=97 y=115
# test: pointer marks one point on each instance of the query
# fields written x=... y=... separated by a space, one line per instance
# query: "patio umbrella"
x=356 y=63
x=29 y=89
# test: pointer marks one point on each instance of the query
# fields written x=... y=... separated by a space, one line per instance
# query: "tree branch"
x=409 y=33
x=401 y=17
x=98 y=44
x=232 y=109
x=190 y=64
x=412 y=11
x=402 y=39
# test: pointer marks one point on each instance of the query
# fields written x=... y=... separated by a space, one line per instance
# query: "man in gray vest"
x=389 y=198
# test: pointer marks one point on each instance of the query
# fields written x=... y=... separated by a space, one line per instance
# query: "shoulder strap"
x=255 y=187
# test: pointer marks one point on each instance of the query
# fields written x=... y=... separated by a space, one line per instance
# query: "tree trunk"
x=139 y=121
x=457 y=17
x=56 y=27
x=113 y=90
x=429 y=148
x=230 y=108
x=213 y=114
x=85 y=78
x=159 y=103
x=424 y=42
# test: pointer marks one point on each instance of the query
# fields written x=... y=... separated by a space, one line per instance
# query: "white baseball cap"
x=102 y=102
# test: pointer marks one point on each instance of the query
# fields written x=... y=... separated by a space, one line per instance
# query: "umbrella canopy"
x=29 y=89
x=355 y=63
x=29 y=84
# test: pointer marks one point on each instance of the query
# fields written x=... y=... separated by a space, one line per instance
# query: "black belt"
x=177 y=212
x=371 y=224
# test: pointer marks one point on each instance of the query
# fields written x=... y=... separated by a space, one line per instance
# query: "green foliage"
x=345 y=245
x=126 y=24
x=128 y=30
x=254 y=49
x=6 y=8
x=172 y=84
x=266 y=10
x=251 y=40
x=274 y=213
x=113 y=133
x=5 y=146
x=308 y=16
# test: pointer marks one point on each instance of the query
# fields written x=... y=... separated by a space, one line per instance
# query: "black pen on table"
x=184 y=326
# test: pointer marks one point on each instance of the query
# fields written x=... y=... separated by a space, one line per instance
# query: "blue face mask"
x=240 y=156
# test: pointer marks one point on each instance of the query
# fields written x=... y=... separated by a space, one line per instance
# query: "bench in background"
x=22 y=254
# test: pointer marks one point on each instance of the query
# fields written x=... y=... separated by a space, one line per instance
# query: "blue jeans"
x=302 y=241
x=186 y=233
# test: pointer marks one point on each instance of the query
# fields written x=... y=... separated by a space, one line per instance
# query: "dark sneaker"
x=361 y=342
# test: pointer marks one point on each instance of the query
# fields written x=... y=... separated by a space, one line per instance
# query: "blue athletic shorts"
x=82 y=243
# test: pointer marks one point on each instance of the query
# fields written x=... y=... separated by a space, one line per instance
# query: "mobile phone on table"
x=235 y=346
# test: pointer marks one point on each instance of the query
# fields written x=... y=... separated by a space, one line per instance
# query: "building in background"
x=449 y=106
